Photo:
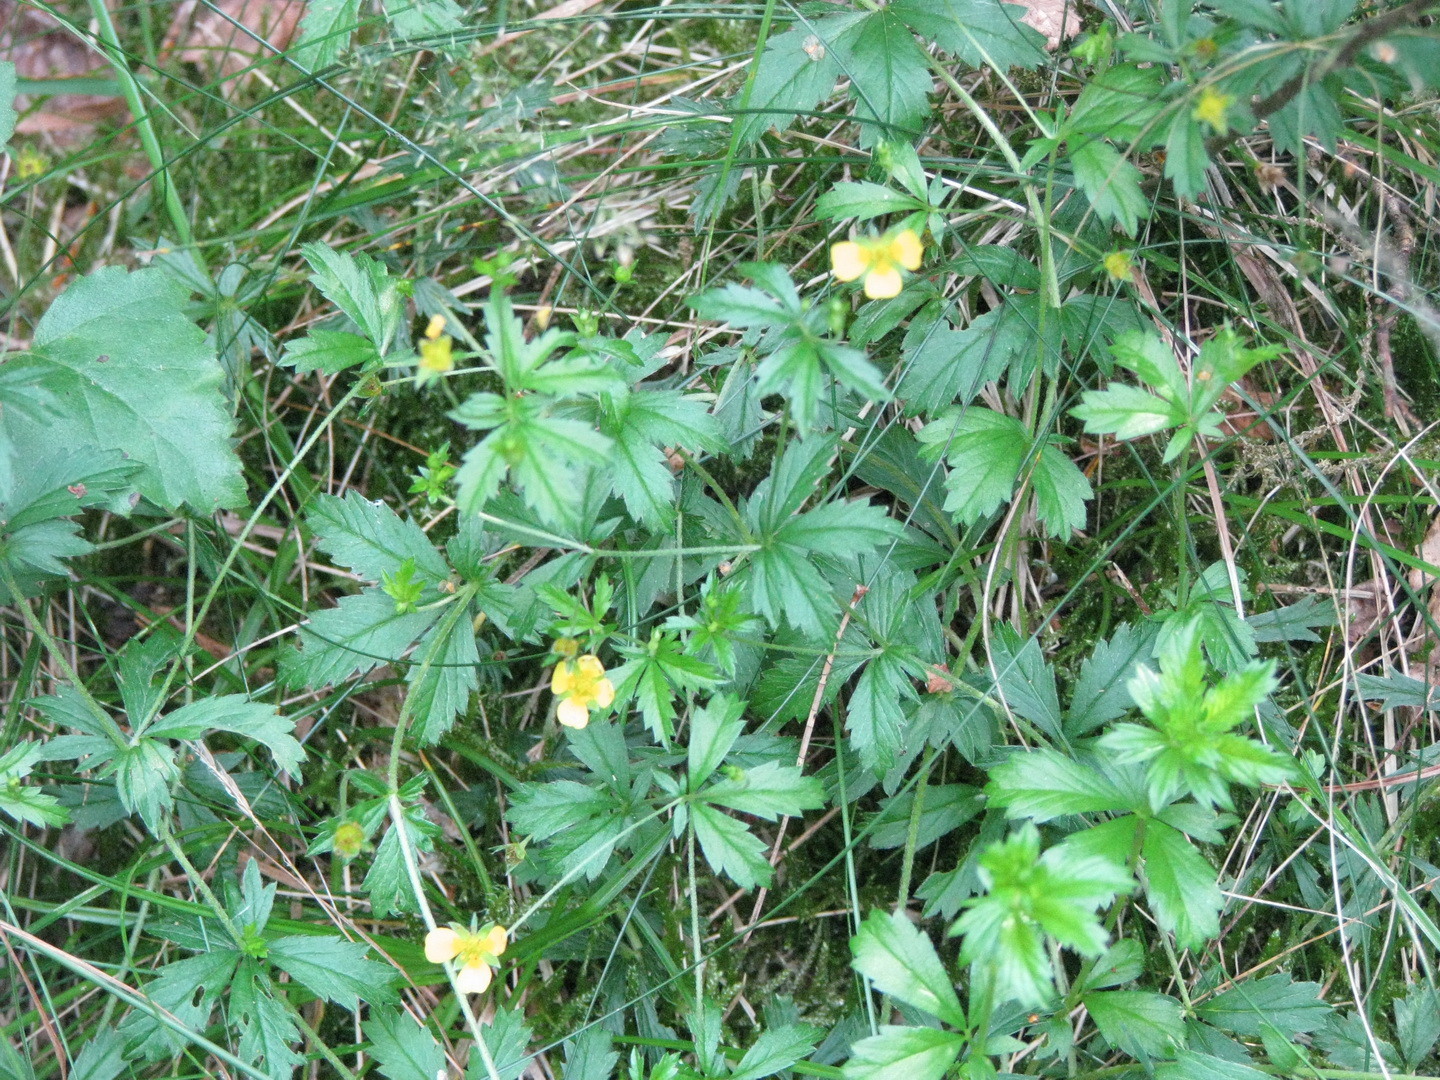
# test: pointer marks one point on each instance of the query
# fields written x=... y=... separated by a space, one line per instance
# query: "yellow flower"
x=1117 y=265
x=878 y=259
x=581 y=685
x=1211 y=109
x=474 y=951
x=435 y=349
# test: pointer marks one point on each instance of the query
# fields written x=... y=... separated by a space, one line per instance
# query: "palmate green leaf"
x=356 y=635
x=1224 y=360
x=794 y=74
x=901 y=961
x=642 y=423
x=1110 y=182
x=359 y=286
x=402 y=1048
x=983 y=33
x=143 y=776
x=267 y=1030
x=713 y=730
x=777 y=1049
x=189 y=990
x=1127 y=412
x=1192 y=1065
x=654 y=675
x=1185 y=156
x=328 y=351
x=334 y=969
x=1029 y=896
x=729 y=847
x=1180 y=886
x=797 y=351
x=1119 y=103
x=541 y=452
x=373 y=540
x=508 y=1039
x=440 y=689
x=101 y=1058
x=1025 y=681
x=131 y=373
x=325 y=31
x=1417 y=1023
x=769 y=790
x=236 y=714
x=944 y=808
x=583 y=824
x=1289 y=1007
x=1142 y=1024
x=784 y=580
x=35 y=530
x=1192 y=749
x=1044 y=784
x=904 y=1053
x=890 y=79
x=942 y=366
x=876 y=716
x=1101 y=693
x=985 y=450
x=27 y=805
x=423 y=18
x=863 y=200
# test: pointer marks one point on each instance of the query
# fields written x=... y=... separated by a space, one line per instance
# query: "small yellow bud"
x=349 y=839
x=1211 y=109
x=1119 y=266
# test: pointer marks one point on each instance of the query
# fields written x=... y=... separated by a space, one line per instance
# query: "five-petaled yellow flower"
x=581 y=685
x=435 y=349
x=878 y=259
x=475 y=952
x=1211 y=109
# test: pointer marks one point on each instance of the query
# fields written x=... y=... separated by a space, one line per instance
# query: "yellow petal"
x=495 y=940
x=848 y=261
x=473 y=980
x=590 y=666
x=906 y=249
x=573 y=714
x=441 y=944
x=883 y=284
x=562 y=680
x=604 y=694
x=436 y=327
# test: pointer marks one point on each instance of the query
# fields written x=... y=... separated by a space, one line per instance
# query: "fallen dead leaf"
x=1056 y=19
x=214 y=36
x=42 y=49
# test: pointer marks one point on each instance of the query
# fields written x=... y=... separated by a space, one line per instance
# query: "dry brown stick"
x=860 y=591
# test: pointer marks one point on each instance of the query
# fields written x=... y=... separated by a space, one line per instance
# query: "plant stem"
x=130 y=88
x=912 y=835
